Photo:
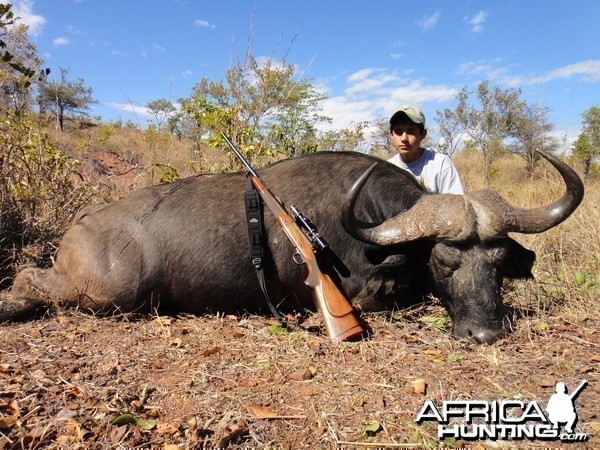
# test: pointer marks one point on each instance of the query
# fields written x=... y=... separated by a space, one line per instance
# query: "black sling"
x=253 y=206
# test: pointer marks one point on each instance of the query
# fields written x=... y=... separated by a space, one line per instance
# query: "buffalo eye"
x=499 y=255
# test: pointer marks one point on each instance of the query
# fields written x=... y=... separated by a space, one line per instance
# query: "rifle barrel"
x=244 y=161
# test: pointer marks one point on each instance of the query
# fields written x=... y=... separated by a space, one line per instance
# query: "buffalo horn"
x=497 y=217
x=444 y=216
x=458 y=217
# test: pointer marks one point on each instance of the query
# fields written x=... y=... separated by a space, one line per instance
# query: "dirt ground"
x=71 y=380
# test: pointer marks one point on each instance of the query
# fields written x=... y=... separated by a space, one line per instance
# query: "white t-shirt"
x=434 y=171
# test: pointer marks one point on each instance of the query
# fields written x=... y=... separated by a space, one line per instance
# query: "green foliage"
x=439 y=322
x=490 y=123
x=161 y=109
x=276 y=330
x=168 y=174
x=125 y=419
x=105 y=131
x=19 y=62
x=157 y=140
x=159 y=143
x=82 y=144
x=37 y=196
x=8 y=55
x=65 y=97
x=531 y=132
x=582 y=147
x=488 y=120
x=372 y=429
x=586 y=148
x=584 y=280
x=261 y=107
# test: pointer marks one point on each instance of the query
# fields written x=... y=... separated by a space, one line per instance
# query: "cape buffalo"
x=183 y=246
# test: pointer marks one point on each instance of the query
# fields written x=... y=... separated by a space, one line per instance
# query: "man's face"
x=406 y=138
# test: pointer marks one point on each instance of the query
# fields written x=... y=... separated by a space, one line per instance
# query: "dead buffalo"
x=183 y=246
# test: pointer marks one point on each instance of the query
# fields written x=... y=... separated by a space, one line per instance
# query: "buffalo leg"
x=18 y=308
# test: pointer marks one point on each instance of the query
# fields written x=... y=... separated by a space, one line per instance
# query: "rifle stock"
x=340 y=323
x=336 y=310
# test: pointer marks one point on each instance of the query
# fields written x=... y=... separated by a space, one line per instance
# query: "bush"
x=38 y=194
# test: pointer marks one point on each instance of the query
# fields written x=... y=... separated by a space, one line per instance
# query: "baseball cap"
x=414 y=113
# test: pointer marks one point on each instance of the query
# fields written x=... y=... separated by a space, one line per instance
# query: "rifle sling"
x=253 y=206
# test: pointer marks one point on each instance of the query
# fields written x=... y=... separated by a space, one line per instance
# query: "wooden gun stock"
x=340 y=323
x=337 y=312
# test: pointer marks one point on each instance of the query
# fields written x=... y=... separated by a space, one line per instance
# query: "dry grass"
x=205 y=382
x=567 y=270
x=143 y=149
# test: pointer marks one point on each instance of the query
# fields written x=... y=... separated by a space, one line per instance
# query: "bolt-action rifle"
x=337 y=312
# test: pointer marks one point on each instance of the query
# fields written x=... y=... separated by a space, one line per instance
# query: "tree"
x=18 y=62
x=587 y=146
x=7 y=19
x=65 y=97
x=349 y=139
x=260 y=106
x=489 y=124
x=161 y=109
x=532 y=132
x=450 y=129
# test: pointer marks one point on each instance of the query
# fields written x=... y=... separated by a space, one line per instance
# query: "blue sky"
x=367 y=57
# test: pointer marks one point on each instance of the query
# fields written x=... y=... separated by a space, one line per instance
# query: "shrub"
x=38 y=194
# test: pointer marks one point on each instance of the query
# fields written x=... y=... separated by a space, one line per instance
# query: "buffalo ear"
x=518 y=261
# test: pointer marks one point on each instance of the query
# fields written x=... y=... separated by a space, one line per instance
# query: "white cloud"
x=483 y=69
x=133 y=109
x=374 y=93
x=59 y=41
x=589 y=71
x=477 y=21
x=397 y=55
x=187 y=73
x=344 y=111
x=417 y=93
x=428 y=22
x=369 y=81
x=262 y=61
x=73 y=30
x=203 y=24
x=24 y=10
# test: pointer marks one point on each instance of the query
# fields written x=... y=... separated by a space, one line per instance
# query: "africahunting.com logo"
x=510 y=419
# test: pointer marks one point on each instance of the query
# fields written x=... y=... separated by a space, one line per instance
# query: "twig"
x=10 y=441
x=273 y=417
x=30 y=413
x=575 y=338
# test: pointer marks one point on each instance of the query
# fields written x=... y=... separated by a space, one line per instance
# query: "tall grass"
x=567 y=269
